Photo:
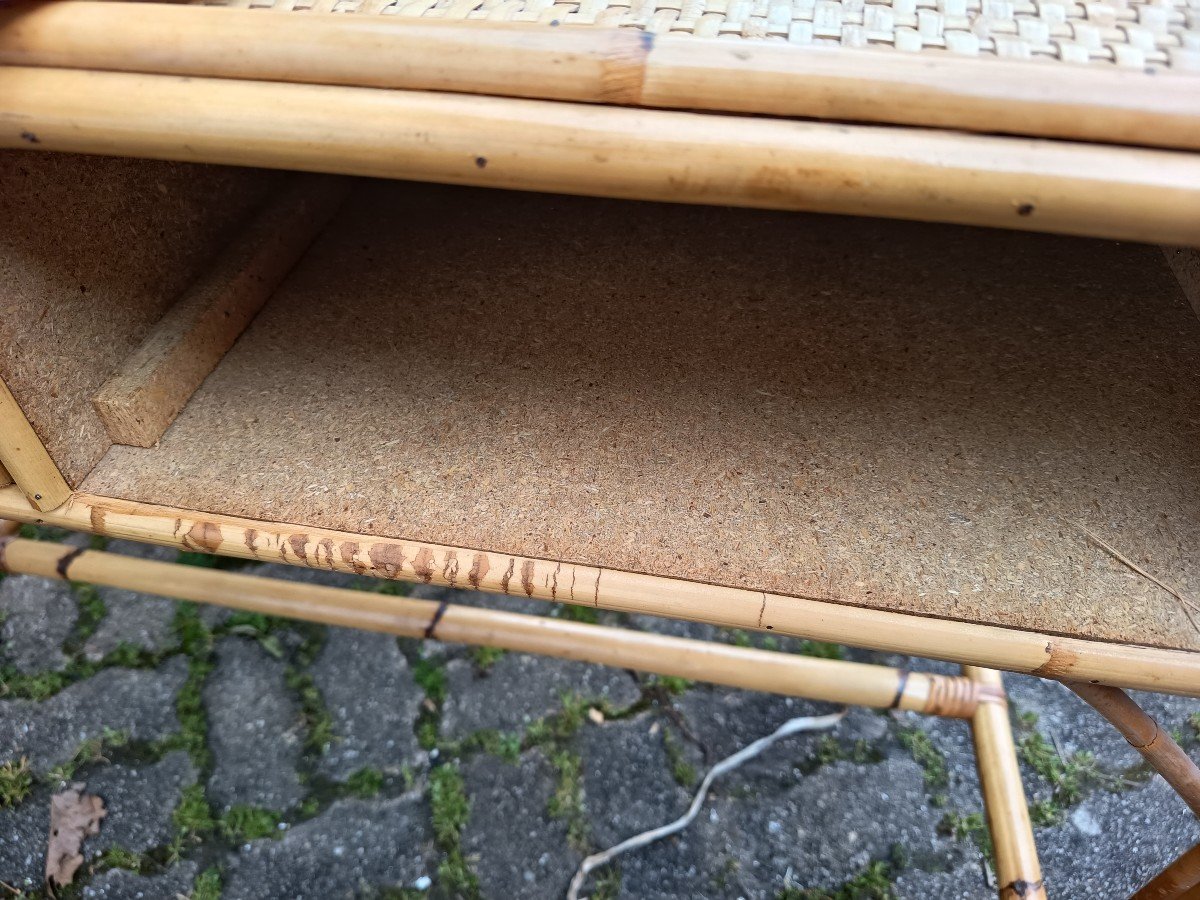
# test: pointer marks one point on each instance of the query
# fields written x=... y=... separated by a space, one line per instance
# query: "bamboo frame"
x=1146 y=737
x=26 y=460
x=1018 y=871
x=144 y=396
x=1177 y=881
x=834 y=681
x=1086 y=189
x=610 y=66
x=1033 y=653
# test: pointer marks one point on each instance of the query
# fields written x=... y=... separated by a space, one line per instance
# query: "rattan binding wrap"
x=1132 y=34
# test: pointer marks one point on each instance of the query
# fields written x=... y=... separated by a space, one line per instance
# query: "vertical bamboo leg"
x=1146 y=737
x=1177 y=881
x=1017 y=868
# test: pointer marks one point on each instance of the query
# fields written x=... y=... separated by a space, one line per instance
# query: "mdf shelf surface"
x=910 y=417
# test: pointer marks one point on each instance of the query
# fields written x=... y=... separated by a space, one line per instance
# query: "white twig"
x=729 y=763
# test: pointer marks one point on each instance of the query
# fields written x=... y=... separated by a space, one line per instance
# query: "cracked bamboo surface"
x=1018 y=871
x=834 y=681
x=1019 y=651
x=1086 y=189
x=607 y=65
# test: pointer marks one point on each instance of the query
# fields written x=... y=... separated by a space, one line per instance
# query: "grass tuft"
x=249 y=823
x=15 y=782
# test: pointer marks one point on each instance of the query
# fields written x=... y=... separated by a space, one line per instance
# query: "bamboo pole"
x=1179 y=880
x=1146 y=737
x=1144 y=668
x=25 y=459
x=1136 y=194
x=834 y=681
x=1018 y=872
x=610 y=66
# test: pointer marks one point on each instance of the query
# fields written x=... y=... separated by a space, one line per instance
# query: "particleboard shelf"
x=903 y=416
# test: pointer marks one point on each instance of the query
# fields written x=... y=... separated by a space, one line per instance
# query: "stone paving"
x=243 y=757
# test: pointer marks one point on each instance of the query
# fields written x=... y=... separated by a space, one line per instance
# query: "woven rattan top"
x=1132 y=34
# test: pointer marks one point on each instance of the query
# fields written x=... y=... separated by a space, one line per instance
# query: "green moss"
x=1070 y=779
x=874 y=882
x=822 y=650
x=429 y=675
x=740 y=638
x=366 y=782
x=560 y=726
x=91 y=613
x=1194 y=722
x=485 y=657
x=193 y=816
x=317 y=719
x=682 y=771
x=450 y=808
x=606 y=884
x=448 y=800
x=193 y=720
x=42 y=533
x=588 y=615
x=90 y=751
x=207 y=886
x=927 y=756
x=249 y=823
x=567 y=800
x=972 y=827
x=671 y=684
x=120 y=858
x=15 y=782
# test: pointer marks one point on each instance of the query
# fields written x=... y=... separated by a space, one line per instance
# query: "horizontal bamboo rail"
x=1018 y=871
x=834 y=681
x=1146 y=737
x=610 y=66
x=1087 y=189
x=1143 y=668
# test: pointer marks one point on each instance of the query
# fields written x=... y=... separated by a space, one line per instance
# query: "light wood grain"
x=1146 y=736
x=1144 y=668
x=1097 y=103
x=1018 y=872
x=142 y=398
x=834 y=681
x=1146 y=195
x=26 y=460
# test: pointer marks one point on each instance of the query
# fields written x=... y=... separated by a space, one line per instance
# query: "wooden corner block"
x=25 y=460
x=144 y=396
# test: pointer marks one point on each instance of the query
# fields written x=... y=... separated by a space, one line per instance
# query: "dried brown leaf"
x=74 y=816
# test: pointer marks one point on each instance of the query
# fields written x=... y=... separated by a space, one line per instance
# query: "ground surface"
x=246 y=758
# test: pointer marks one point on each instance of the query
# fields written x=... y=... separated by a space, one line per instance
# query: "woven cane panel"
x=1127 y=33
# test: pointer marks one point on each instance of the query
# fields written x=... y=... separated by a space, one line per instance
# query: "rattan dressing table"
x=958 y=421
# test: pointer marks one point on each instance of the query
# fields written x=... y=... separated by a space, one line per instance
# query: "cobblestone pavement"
x=243 y=757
